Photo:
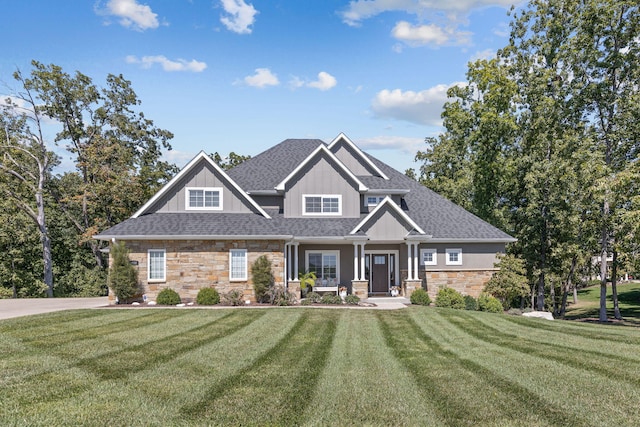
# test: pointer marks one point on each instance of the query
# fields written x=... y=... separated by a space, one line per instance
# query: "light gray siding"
x=202 y=175
x=352 y=160
x=321 y=176
x=386 y=225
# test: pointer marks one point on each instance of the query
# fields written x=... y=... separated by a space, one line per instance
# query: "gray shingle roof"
x=436 y=215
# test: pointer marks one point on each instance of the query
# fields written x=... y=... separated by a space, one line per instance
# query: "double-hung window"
x=204 y=198
x=237 y=264
x=429 y=256
x=156 y=265
x=318 y=204
x=325 y=264
x=454 y=256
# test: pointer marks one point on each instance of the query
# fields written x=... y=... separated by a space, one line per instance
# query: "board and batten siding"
x=386 y=225
x=351 y=160
x=202 y=175
x=324 y=177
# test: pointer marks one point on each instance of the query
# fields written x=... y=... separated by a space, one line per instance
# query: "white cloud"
x=424 y=107
x=132 y=14
x=239 y=16
x=430 y=34
x=167 y=64
x=483 y=54
x=263 y=77
x=324 y=82
x=401 y=143
x=178 y=158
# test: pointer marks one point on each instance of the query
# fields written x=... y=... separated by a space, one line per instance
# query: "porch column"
x=415 y=260
x=295 y=261
x=409 y=259
x=356 y=276
x=362 y=268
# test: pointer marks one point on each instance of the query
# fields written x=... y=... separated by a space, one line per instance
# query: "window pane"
x=313 y=204
x=196 y=198
x=315 y=264
x=453 y=256
x=238 y=267
x=330 y=204
x=212 y=199
x=156 y=265
x=329 y=267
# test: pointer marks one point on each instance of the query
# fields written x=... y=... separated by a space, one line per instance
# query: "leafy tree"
x=262 y=277
x=229 y=162
x=509 y=284
x=123 y=277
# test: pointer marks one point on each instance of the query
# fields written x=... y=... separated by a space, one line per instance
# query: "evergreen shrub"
x=352 y=299
x=450 y=298
x=168 y=296
x=330 y=299
x=313 y=297
x=470 y=303
x=263 y=279
x=208 y=296
x=420 y=297
x=123 y=277
x=489 y=303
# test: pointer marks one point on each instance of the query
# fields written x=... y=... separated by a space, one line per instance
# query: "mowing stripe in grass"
x=589 y=360
x=457 y=386
x=48 y=321
x=278 y=386
x=137 y=358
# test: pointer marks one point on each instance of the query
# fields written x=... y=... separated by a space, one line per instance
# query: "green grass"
x=588 y=305
x=303 y=366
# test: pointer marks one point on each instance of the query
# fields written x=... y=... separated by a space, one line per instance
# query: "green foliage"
x=352 y=299
x=208 y=296
x=450 y=298
x=123 y=277
x=313 y=297
x=263 y=279
x=330 y=298
x=229 y=162
x=5 y=293
x=233 y=298
x=307 y=279
x=509 y=284
x=279 y=296
x=168 y=296
x=470 y=303
x=420 y=297
x=489 y=303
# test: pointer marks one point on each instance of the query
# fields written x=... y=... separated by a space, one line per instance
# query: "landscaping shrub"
x=123 y=277
x=330 y=299
x=352 y=299
x=420 y=297
x=208 y=296
x=489 y=303
x=306 y=301
x=263 y=279
x=470 y=303
x=450 y=298
x=279 y=296
x=509 y=284
x=233 y=297
x=313 y=297
x=168 y=296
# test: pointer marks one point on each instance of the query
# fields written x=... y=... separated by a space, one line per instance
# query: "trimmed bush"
x=352 y=299
x=208 y=296
x=168 y=296
x=123 y=277
x=233 y=297
x=330 y=299
x=420 y=297
x=279 y=296
x=263 y=279
x=450 y=298
x=470 y=303
x=489 y=303
x=313 y=297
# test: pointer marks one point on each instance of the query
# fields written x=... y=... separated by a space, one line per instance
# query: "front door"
x=380 y=273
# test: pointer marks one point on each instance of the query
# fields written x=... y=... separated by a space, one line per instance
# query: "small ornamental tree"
x=123 y=277
x=509 y=284
x=263 y=279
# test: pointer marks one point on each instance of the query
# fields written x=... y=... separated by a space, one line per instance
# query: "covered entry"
x=380 y=269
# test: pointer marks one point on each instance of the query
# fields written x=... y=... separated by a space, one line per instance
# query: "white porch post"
x=409 y=259
x=362 y=268
x=415 y=260
x=355 y=261
x=295 y=265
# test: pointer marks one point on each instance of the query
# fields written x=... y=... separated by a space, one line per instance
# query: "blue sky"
x=241 y=75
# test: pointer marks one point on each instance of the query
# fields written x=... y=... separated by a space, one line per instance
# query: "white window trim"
x=203 y=208
x=164 y=265
x=245 y=276
x=434 y=256
x=323 y=253
x=322 y=196
x=454 y=250
x=379 y=200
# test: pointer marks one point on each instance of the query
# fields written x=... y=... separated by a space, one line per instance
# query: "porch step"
x=399 y=300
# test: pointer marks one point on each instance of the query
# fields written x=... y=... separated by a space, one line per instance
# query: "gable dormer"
x=353 y=158
x=386 y=222
x=321 y=186
x=201 y=186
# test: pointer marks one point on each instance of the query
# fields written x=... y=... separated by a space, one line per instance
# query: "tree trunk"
x=603 y=263
x=575 y=294
x=45 y=239
x=614 y=286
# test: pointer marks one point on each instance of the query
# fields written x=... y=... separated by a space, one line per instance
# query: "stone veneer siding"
x=467 y=282
x=195 y=264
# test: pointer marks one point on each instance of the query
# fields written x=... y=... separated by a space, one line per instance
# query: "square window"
x=429 y=256
x=454 y=256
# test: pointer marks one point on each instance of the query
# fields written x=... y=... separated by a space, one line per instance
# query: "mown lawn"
x=305 y=366
x=588 y=305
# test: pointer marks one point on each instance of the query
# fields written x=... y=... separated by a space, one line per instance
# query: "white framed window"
x=203 y=198
x=326 y=266
x=322 y=204
x=237 y=264
x=374 y=200
x=429 y=256
x=156 y=265
x=454 y=256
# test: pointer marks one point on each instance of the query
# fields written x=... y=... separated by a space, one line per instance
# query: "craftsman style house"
x=308 y=206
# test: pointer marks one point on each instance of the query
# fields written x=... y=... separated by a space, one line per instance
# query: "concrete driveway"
x=27 y=306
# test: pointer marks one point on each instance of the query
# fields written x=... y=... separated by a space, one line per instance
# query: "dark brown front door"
x=380 y=273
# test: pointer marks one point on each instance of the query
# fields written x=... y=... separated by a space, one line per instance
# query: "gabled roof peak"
x=390 y=203
x=344 y=138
